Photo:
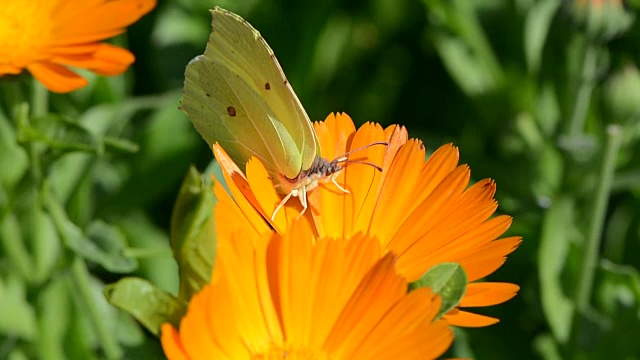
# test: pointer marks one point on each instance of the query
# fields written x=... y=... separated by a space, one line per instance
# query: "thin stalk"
x=80 y=277
x=583 y=97
x=141 y=253
x=39 y=99
x=12 y=94
x=39 y=108
x=22 y=120
x=597 y=217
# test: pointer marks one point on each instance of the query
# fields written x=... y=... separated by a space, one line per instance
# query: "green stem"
x=148 y=253
x=13 y=245
x=80 y=277
x=39 y=99
x=583 y=97
x=39 y=108
x=23 y=122
x=12 y=94
x=597 y=217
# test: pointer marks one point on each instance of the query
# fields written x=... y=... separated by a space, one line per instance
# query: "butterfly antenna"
x=379 y=168
x=345 y=155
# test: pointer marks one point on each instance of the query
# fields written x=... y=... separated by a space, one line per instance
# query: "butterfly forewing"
x=236 y=94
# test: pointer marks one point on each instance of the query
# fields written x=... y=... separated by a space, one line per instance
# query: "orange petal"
x=488 y=293
x=334 y=134
x=363 y=181
x=402 y=332
x=230 y=218
x=397 y=198
x=246 y=280
x=9 y=69
x=240 y=192
x=489 y=258
x=76 y=49
x=171 y=343
x=380 y=288
x=456 y=247
x=467 y=319
x=56 y=78
x=194 y=334
x=103 y=20
x=268 y=198
x=105 y=60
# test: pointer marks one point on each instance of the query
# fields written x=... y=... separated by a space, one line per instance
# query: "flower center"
x=24 y=29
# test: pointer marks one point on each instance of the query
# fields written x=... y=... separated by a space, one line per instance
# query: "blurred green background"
x=542 y=96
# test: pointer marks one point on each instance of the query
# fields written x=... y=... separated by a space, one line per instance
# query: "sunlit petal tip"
x=240 y=200
x=488 y=294
x=229 y=167
x=468 y=319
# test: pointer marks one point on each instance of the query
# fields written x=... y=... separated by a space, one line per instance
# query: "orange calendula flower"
x=422 y=211
x=48 y=36
x=299 y=297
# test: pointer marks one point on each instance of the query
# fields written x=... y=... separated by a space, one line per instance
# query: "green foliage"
x=448 y=280
x=541 y=96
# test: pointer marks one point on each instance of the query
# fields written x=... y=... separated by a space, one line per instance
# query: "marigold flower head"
x=424 y=212
x=48 y=36
x=299 y=297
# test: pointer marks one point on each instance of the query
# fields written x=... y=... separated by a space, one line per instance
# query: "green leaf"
x=113 y=243
x=150 y=244
x=617 y=295
x=111 y=256
x=54 y=308
x=554 y=248
x=619 y=287
x=447 y=280
x=462 y=43
x=145 y=302
x=550 y=168
x=60 y=133
x=18 y=316
x=622 y=94
x=12 y=241
x=17 y=354
x=546 y=346
x=165 y=141
x=467 y=70
x=13 y=158
x=462 y=344
x=193 y=236
x=45 y=244
x=129 y=331
x=536 y=29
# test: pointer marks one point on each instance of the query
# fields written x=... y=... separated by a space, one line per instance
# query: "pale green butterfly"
x=236 y=94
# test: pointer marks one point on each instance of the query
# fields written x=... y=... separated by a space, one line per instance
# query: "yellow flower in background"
x=46 y=37
x=299 y=297
x=424 y=212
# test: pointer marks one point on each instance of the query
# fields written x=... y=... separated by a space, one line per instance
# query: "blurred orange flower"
x=422 y=211
x=298 y=297
x=48 y=36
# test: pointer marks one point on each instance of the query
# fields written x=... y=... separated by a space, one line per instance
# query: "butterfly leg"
x=284 y=201
x=303 y=201
x=335 y=182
